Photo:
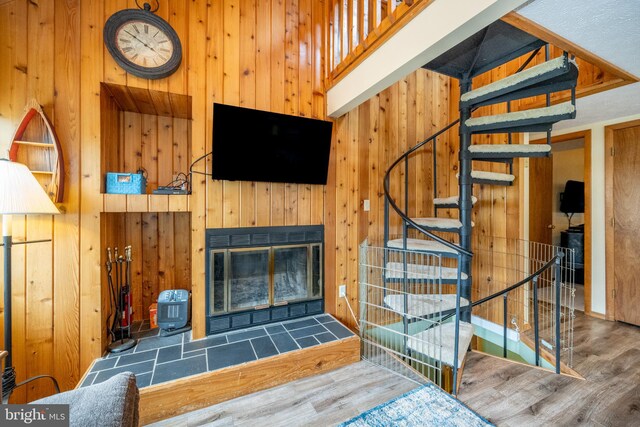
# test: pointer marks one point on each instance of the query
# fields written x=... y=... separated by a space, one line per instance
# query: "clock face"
x=144 y=44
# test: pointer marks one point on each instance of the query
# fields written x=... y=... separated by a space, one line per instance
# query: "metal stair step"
x=421 y=245
x=491 y=178
x=440 y=224
x=438 y=342
x=420 y=272
x=557 y=74
x=508 y=151
x=450 y=202
x=423 y=305
x=533 y=120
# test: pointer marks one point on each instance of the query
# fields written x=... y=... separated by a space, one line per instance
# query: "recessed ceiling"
x=609 y=29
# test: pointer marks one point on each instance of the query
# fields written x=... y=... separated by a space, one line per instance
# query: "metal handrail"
x=405 y=157
x=553 y=262
x=395 y=207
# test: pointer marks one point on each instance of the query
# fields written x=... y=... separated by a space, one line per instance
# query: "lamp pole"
x=20 y=194
x=6 y=241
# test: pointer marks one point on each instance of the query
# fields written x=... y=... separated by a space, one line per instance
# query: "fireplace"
x=259 y=275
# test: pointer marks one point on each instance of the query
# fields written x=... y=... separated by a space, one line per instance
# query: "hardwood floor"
x=606 y=354
x=322 y=400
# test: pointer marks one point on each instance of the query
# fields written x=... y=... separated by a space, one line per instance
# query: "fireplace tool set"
x=120 y=327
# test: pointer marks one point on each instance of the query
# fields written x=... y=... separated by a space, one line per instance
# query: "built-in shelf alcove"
x=143 y=129
x=150 y=130
x=160 y=252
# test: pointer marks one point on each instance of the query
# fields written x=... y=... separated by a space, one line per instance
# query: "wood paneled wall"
x=259 y=54
x=368 y=139
x=40 y=50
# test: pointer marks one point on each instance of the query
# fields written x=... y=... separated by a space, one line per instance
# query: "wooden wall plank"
x=182 y=250
x=66 y=232
x=215 y=85
x=198 y=25
x=291 y=204
x=262 y=97
x=165 y=154
x=92 y=336
x=150 y=149
x=39 y=281
x=133 y=232
x=150 y=258
x=113 y=73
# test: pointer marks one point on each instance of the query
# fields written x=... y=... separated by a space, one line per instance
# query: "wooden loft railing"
x=358 y=26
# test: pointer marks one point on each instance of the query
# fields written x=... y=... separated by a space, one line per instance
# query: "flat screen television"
x=256 y=145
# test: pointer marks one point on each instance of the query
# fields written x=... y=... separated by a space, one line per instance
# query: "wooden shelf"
x=42 y=172
x=145 y=203
x=35 y=144
x=148 y=101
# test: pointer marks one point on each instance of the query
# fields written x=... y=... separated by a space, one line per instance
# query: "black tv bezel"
x=247 y=175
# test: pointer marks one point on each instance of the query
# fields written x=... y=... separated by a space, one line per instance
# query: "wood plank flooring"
x=321 y=400
x=606 y=354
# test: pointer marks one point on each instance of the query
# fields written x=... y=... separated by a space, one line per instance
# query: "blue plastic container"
x=126 y=183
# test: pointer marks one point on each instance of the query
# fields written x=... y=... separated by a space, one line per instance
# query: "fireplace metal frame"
x=250 y=238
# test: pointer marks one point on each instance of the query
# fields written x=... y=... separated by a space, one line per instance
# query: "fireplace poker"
x=124 y=343
x=109 y=265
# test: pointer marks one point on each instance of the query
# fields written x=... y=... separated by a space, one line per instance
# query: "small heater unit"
x=174 y=311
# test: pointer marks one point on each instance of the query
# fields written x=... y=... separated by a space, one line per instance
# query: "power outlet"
x=342 y=291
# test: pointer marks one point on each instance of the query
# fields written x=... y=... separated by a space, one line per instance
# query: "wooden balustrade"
x=358 y=26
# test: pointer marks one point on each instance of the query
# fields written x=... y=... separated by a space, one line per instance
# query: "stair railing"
x=389 y=202
x=461 y=252
x=555 y=263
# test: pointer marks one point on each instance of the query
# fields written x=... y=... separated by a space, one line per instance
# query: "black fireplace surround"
x=259 y=275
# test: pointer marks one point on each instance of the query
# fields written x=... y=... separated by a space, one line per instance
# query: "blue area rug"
x=426 y=405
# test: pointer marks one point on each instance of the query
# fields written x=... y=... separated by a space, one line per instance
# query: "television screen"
x=255 y=145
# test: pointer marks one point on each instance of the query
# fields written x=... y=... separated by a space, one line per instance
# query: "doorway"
x=622 y=235
x=562 y=224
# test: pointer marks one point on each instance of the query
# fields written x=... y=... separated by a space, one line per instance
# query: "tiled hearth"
x=157 y=359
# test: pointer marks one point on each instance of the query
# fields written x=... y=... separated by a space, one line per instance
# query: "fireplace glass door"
x=248 y=279
x=255 y=278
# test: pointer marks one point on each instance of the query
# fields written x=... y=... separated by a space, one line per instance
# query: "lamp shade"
x=21 y=193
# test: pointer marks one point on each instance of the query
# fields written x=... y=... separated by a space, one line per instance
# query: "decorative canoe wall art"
x=36 y=145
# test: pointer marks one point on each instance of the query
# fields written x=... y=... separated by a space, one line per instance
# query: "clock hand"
x=146 y=45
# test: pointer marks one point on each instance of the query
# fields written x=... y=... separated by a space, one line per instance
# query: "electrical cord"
x=191 y=171
x=180 y=182
x=355 y=319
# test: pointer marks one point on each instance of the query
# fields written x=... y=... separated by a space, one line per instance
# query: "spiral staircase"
x=495 y=45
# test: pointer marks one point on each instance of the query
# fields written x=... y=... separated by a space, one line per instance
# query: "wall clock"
x=143 y=43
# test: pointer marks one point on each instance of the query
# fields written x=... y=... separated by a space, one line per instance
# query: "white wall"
x=598 y=220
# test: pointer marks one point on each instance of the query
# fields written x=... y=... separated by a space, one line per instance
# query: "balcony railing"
x=358 y=26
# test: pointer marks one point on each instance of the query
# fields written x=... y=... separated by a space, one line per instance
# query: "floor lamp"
x=20 y=194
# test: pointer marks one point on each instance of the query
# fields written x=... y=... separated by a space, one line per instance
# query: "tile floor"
x=156 y=359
